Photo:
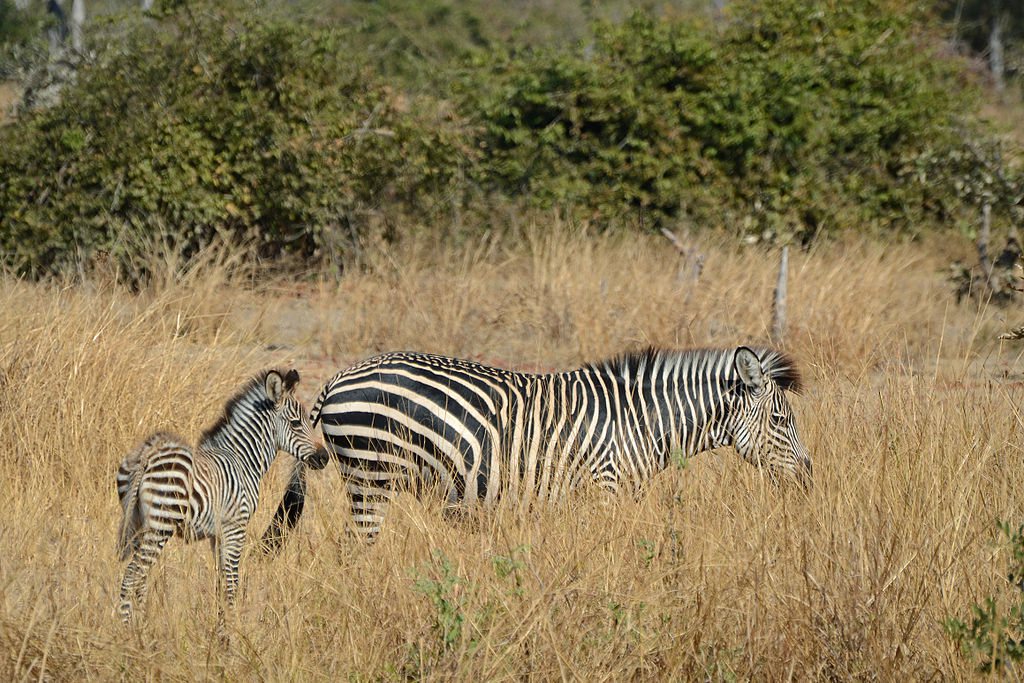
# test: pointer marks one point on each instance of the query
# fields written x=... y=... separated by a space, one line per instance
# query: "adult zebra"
x=165 y=488
x=479 y=432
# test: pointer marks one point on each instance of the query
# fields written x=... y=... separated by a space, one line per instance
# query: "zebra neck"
x=675 y=401
x=244 y=437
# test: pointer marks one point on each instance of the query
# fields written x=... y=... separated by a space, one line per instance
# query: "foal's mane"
x=255 y=390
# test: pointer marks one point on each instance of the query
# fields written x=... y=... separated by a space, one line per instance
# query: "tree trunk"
x=996 y=60
x=983 y=237
x=77 y=20
x=691 y=262
x=147 y=5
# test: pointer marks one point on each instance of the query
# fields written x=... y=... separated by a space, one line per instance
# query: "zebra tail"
x=129 y=480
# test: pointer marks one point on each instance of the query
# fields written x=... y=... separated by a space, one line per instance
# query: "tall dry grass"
x=913 y=416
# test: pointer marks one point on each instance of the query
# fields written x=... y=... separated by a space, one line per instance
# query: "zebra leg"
x=230 y=553
x=288 y=512
x=369 y=505
x=606 y=476
x=145 y=555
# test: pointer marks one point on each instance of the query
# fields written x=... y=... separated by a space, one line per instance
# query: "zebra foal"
x=166 y=488
x=480 y=432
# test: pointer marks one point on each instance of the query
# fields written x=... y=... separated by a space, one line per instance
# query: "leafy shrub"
x=411 y=44
x=254 y=130
x=235 y=122
x=22 y=37
x=993 y=636
x=16 y=25
x=594 y=130
x=802 y=116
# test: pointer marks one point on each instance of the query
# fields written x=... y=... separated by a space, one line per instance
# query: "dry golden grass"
x=913 y=415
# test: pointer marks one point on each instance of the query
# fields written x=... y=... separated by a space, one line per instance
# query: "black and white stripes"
x=165 y=488
x=479 y=433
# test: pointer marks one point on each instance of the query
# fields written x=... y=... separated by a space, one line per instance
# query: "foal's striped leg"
x=229 y=554
x=133 y=587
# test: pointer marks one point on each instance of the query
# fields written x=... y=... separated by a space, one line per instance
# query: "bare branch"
x=691 y=261
x=671 y=236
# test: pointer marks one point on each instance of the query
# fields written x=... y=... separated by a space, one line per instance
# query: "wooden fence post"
x=779 y=300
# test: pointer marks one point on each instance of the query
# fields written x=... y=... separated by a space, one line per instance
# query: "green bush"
x=994 y=636
x=19 y=26
x=22 y=37
x=255 y=130
x=798 y=116
x=240 y=122
x=598 y=131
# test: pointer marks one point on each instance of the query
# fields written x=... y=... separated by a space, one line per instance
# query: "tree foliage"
x=797 y=117
x=18 y=26
x=789 y=120
x=975 y=21
x=250 y=129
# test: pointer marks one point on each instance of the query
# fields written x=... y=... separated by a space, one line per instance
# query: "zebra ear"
x=275 y=387
x=291 y=379
x=748 y=365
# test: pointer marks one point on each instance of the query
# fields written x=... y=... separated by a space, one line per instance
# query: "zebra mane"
x=631 y=361
x=779 y=366
x=253 y=392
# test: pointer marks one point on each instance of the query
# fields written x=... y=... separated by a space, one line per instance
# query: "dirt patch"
x=10 y=93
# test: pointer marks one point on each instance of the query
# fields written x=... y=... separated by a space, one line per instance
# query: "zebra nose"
x=319 y=459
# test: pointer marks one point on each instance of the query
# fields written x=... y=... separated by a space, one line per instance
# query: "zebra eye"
x=296 y=424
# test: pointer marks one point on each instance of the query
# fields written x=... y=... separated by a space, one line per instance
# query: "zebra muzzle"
x=319 y=459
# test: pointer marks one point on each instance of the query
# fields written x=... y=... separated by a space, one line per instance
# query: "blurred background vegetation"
x=304 y=129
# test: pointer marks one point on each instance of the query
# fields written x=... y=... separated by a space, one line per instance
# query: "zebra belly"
x=382 y=440
x=219 y=497
x=390 y=459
